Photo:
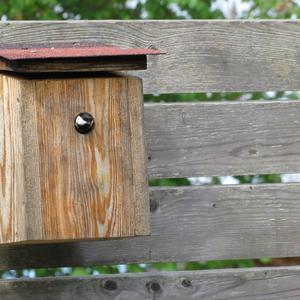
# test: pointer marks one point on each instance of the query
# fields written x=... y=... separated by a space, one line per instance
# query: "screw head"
x=110 y=285
x=186 y=283
x=154 y=287
x=84 y=122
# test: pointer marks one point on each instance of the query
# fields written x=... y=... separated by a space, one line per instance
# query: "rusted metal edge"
x=71 y=57
x=15 y=52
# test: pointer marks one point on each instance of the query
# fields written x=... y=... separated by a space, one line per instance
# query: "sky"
x=232 y=9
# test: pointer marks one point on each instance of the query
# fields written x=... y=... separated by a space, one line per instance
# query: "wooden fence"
x=186 y=140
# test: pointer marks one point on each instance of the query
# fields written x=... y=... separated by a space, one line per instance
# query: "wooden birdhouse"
x=72 y=153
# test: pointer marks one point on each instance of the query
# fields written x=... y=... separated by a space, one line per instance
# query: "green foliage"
x=268 y=178
x=280 y=9
x=265 y=260
x=28 y=9
x=191 y=266
x=113 y=9
x=169 y=182
x=134 y=9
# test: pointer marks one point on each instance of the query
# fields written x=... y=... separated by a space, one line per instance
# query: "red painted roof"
x=21 y=52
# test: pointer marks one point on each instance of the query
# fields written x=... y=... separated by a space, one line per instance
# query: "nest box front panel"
x=58 y=183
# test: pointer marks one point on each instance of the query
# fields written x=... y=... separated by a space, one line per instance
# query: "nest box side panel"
x=19 y=215
x=138 y=155
x=79 y=186
x=11 y=163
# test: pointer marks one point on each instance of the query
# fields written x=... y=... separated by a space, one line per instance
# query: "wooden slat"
x=189 y=224
x=250 y=284
x=236 y=138
x=201 y=55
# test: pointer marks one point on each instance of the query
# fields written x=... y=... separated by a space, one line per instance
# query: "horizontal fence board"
x=250 y=284
x=189 y=224
x=223 y=138
x=202 y=56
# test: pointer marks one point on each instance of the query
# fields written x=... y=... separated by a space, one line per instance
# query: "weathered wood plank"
x=189 y=224
x=201 y=55
x=250 y=284
x=12 y=164
x=236 y=138
x=202 y=139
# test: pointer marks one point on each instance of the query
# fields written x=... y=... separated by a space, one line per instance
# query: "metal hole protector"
x=84 y=122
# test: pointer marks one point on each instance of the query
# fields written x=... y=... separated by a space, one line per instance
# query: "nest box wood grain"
x=57 y=184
